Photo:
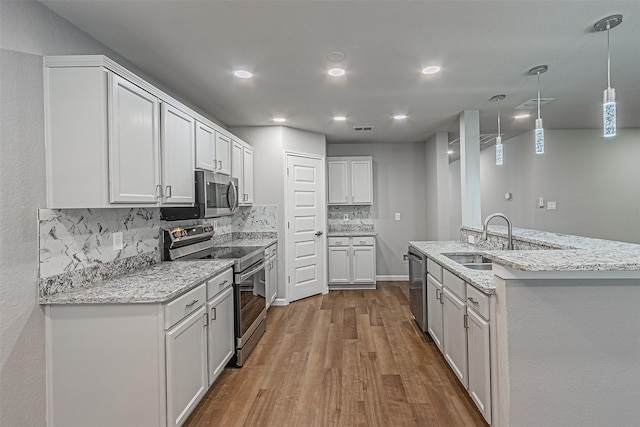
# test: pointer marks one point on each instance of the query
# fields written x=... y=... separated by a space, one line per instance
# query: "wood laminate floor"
x=348 y=358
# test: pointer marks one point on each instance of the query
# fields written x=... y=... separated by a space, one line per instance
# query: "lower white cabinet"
x=352 y=262
x=186 y=349
x=271 y=274
x=137 y=364
x=434 y=310
x=455 y=334
x=479 y=353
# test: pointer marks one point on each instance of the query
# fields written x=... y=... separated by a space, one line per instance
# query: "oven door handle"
x=240 y=277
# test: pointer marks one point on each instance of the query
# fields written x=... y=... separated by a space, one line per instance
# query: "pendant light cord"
x=538 y=73
x=608 y=58
x=498 y=117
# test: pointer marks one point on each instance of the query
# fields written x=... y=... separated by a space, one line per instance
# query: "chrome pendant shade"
x=609 y=113
x=539 y=130
x=499 y=146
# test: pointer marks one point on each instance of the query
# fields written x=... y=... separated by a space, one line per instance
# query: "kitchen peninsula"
x=562 y=325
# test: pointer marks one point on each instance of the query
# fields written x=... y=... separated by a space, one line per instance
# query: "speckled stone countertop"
x=352 y=234
x=159 y=283
x=251 y=242
x=577 y=254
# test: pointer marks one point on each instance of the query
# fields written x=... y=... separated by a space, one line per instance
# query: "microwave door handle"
x=232 y=197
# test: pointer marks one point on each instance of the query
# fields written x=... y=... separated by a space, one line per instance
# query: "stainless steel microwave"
x=216 y=195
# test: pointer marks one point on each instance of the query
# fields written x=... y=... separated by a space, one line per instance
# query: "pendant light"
x=609 y=98
x=539 y=131
x=499 y=147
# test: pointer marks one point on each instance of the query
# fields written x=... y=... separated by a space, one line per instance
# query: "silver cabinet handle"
x=214 y=314
x=192 y=302
x=168 y=191
x=158 y=191
x=362 y=242
x=472 y=300
x=224 y=283
x=437 y=296
x=219 y=164
x=318 y=233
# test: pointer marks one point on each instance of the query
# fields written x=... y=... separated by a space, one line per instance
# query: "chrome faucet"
x=509 y=228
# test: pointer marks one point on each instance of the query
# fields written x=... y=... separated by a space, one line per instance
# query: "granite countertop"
x=158 y=283
x=358 y=233
x=574 y=253
x=250 y=242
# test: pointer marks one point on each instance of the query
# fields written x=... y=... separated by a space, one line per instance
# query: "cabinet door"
x=273 y=281
x=364 y=264
x=339 y=265
x=221 y=334
x=361 y=185
x=134 y=148
x=205 y=147
x=246 y=197
x=186 y=350
x=455 y=334
x=434 y=311
x=337 y=171
x=223 y=154
x=479 y=363
x=177 y=133
x=237 y=157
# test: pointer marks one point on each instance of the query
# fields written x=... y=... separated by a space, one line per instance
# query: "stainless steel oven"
x=215 y=195
x=417 y=288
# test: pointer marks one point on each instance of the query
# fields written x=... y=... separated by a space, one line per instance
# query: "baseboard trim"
x=392 y=278
x=280 y=302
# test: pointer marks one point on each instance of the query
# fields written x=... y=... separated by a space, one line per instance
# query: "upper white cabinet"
x=114 y=140
x=242 y=169
x=177 y=137
x=350 y=180
x=205 y=147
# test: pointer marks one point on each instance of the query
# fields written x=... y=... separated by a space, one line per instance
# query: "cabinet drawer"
x=434 y=269
x=219 y=283
x=478 y=300
x=338 y=241
x=363 y=241
x=184 y=305
x=454 y=283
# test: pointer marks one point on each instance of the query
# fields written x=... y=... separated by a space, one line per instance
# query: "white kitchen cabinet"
x=352 y=262
x=134 y=146
x=242 y=170
x=177 y=141
x=350 y=180
x=479 y=352
x=205 y=147
x=186 y=350
x=223 y=154
x=455 y=334
x=221 y=333
x=434 y=310
x=271 y=274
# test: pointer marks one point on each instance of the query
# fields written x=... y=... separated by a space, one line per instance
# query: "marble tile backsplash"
x=76 y=245
x=360 y=218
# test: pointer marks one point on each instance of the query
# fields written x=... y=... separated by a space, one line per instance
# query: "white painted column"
x=470 y=167
x=442 y=166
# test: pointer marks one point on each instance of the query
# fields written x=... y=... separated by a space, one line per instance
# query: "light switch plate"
x=397 y=216
x=541 y=202
x=118 y=241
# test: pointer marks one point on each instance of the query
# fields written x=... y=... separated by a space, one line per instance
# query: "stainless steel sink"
x=469 y=259
x=478 y=266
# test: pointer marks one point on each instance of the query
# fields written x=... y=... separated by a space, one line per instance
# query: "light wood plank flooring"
x=348 y=358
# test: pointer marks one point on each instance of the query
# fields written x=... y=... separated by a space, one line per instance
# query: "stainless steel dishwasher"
x=417 y=288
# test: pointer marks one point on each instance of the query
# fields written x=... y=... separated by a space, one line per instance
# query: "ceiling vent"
x=532 y=104
x=485 y=138
x=362 y=128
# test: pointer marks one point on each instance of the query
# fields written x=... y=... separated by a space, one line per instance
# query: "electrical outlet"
x=551 y=206
x=346 y=217
x=397 y=216
x=471 y=239
x=118 y=241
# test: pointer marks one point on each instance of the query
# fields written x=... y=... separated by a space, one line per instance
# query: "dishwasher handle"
x=415 y=258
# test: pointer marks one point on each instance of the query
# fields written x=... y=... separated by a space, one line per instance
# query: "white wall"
x=399 y=178
x=593 y=180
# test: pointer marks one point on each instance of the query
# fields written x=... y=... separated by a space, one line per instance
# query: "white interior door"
x=305 y=226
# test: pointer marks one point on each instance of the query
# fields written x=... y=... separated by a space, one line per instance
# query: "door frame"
x=323 y=239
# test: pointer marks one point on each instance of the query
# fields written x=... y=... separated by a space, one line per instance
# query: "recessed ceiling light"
x=243 y=74
x=521 y=116
x=400 y=117
x=339 y=118
x=432 y=69
x=337 y=72
x=336 y=56
x=279 y=119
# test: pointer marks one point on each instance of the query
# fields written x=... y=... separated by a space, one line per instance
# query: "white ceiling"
x=484 y=48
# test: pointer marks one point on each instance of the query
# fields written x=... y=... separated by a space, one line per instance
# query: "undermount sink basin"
x=478 y=266
x=470 y=259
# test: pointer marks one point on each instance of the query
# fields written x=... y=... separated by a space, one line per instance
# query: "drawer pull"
x=363 y=242
x=438 y=296
x=213 y=314
x=192 y=302
x=224 y=283
x=473 y=301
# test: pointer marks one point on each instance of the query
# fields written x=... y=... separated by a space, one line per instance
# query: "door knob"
x=318 y=233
